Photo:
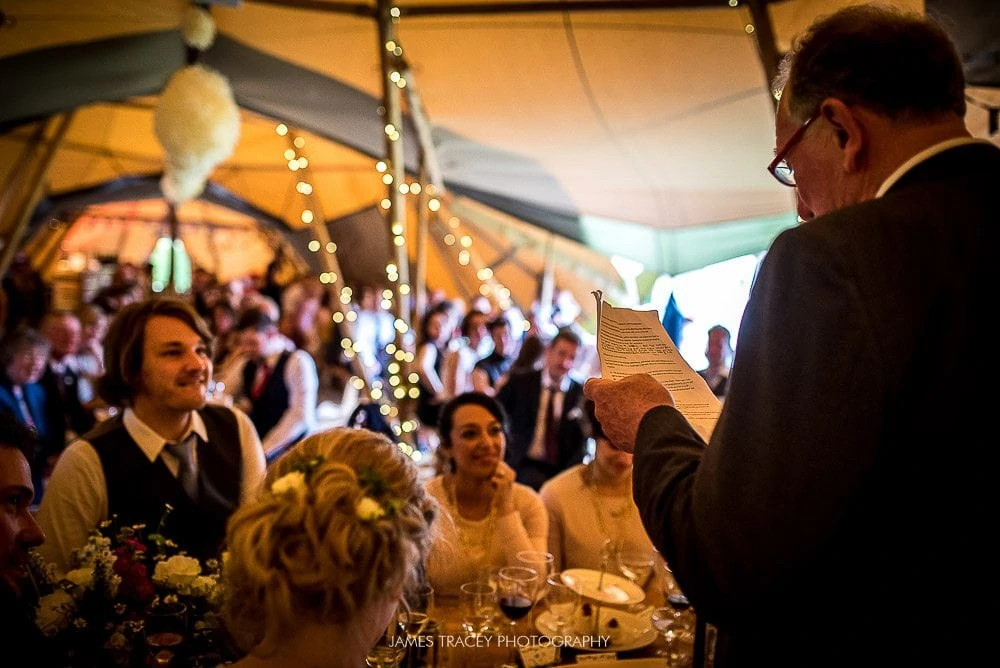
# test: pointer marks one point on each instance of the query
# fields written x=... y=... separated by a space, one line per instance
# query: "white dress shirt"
x=76 y=498
x=537 y=450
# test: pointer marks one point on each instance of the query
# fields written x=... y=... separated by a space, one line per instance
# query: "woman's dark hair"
x=441 y=308
x=531 y=351
x=447 y=419
x=594 y=427
x=126 y=338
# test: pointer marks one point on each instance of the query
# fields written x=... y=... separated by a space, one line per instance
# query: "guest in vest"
x=166 y=447
x=68 y=392
x=22 y=362
x=276 y=383
x=488 y=370
x=545 y=410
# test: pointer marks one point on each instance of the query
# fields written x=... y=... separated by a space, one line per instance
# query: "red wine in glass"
x=515 y=607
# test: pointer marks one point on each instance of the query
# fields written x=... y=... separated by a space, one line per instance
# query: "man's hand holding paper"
x=621 y=404
x=641 y=368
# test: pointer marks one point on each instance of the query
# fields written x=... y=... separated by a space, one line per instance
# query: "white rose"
x=368 y=509
x=202 y=586
x=53 y=612
x=294 y=482
x=176 y=571
x=82 y=577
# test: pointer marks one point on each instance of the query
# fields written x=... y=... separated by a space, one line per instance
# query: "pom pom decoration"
x=198 y=28
x=198 y=124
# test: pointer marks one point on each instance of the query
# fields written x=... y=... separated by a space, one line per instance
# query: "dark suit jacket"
x=520 y=397
x=848 y=481
x=65 y=410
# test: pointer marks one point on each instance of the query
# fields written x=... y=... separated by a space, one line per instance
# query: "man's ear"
x=849 y=130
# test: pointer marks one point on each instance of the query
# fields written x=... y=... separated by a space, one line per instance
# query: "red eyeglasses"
x=779 y=167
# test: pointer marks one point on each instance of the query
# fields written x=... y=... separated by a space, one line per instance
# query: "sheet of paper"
x=631 y=341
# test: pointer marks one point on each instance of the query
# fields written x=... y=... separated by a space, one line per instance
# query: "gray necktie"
x=186 y=474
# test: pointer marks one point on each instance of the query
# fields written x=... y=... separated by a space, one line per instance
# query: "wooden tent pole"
x=35 y=183
x=420 y=276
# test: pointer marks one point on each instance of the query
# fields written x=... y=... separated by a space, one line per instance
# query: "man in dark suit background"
x=544 y=408
x=847 y=479
x=69 y=415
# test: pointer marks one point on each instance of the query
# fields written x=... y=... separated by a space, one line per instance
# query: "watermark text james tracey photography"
x=573 y=642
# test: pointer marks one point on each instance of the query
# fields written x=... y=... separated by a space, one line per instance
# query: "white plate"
x=634 y=631
x=615 y=590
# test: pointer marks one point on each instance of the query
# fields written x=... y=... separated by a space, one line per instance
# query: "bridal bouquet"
x=131 y=598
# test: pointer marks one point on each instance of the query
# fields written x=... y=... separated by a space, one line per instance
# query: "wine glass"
x=562 y=602
x=635 y=565
x=388 y=651
x=478 y=603
x=663 y=621
x=166 y=624
x=543 y=563
x=516 y=586
x=415 y=611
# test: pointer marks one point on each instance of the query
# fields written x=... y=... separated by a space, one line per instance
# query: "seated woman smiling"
x=486 y=517
x=317 y=565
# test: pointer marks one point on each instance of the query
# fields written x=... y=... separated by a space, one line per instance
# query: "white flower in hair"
x=368 y=509
x=294 y=482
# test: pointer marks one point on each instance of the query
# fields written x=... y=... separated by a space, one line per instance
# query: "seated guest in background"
x=318 y=564
x=459 y=362
x=486 y=517
x=276 y=383
x=430 y=361
x=591 y=510
x=545 y=412
x=23 y=354
x=719 y=352
x=69 y=394
x=90 y=354
x=19 y=533
x=487 y=372
x=167 y=447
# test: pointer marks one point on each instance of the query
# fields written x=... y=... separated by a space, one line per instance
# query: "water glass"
x=388 y=652
x=478 y=605
x=562 y=602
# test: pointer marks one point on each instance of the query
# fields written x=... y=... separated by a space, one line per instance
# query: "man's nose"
x=31 y=533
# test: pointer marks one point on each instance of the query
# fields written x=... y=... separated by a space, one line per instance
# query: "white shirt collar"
x=152 y=443
x=926 y=154
x=547 y=381
x=69 y=362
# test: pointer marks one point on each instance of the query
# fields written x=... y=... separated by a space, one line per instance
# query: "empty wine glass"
x=562 y=602
x=543 y=563
x=478 y=604
x=635 y=565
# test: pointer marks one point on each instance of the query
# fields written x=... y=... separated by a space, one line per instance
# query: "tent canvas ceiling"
x=659 y=119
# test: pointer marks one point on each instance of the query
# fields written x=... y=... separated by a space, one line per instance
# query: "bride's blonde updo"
x=342 y=523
